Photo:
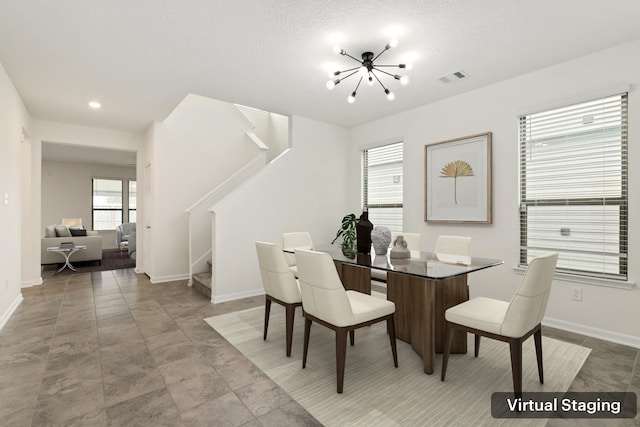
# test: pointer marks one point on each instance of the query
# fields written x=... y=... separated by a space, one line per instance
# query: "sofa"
x=56 y=234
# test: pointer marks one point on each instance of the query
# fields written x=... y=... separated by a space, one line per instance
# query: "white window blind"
x=382 y=178
x=573 y=187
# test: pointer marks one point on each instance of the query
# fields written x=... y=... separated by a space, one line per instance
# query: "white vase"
x=381 y=238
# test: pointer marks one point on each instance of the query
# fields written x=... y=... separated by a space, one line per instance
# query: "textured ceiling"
x=140 y=58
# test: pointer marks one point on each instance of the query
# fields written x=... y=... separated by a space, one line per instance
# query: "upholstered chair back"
x=123 y=231
x=323 y=295
x=295 y=239
x=453 y=249
x=277 y=278
x=529 y=303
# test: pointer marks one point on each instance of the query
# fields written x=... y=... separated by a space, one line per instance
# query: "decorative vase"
x=363 y=233
x=400 y=249
x=381 y=239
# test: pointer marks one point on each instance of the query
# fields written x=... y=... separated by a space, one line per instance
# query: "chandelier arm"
x=383 y=86
x=378 y=55
x=383 y=71
x=345 y=71
x=390 y=65
x=347 y=76
x=355 y=59
x=358 y=85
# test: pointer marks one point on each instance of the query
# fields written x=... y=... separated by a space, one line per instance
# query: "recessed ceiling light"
x=95 y=105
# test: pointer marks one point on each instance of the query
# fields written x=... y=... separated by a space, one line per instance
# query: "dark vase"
x=363 y=233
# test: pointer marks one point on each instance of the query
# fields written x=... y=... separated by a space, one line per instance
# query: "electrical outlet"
x=576 y=294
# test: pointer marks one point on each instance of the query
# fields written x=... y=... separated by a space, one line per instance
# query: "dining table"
x=422 y=287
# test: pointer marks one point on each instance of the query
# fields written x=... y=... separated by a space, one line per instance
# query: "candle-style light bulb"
x=390 y=95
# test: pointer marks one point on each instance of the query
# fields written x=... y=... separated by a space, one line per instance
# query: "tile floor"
x=110 y=348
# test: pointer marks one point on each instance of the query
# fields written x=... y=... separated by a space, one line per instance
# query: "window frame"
x=620 y=279
x=124 y=208
x=366 y=181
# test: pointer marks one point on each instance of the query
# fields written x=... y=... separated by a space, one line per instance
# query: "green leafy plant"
x=455 y=169
x=347 y=231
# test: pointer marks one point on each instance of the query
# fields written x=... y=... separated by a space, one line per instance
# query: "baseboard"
x=629 y=340
x=238 y=295
x=138 y=270
x=30 y=283
x=174 y=278
x=7 y=314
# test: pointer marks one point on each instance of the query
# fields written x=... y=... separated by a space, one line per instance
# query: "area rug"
x=112 y=259
x=376 y=393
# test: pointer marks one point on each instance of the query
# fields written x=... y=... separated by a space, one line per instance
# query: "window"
x=382 y=176
x=108 y=208
x=573 y=187
x=132 y=201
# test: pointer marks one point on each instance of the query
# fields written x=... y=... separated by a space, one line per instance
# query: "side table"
x=66 y=253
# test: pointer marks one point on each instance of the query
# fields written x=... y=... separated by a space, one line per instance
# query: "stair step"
x=202 y=283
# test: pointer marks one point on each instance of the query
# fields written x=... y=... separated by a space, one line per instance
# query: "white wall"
x=607 y=312
x=303 y=190
x=67 y=193
x=198 y=146
x=271 y=128
x=64 y=133
x=14 y=117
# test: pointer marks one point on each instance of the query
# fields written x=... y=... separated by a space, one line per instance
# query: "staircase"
x=202 y=281
x=250 y=127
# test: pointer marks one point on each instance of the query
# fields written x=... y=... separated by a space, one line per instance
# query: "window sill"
x=586 y=280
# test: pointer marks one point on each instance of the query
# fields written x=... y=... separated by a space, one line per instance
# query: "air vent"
x=453 y=77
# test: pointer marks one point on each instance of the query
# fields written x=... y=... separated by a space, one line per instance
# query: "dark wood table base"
x=354 y=277
x=420 y=306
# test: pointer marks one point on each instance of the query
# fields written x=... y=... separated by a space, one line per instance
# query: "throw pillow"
x=62 y=231
x=76 y=232
x=50 y=231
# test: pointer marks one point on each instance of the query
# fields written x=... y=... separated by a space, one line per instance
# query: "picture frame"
x=458 y=182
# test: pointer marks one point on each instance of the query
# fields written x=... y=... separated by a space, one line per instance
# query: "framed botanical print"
x=458 y=180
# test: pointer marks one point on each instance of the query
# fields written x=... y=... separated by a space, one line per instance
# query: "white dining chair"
x=293 y=240
x=325 y=301
x=455 y=249
x=512 y=322
x=280 y=286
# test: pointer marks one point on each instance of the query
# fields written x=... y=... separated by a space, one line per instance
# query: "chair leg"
x=290 y=316
x=352 y=337
x=537 y=337
x=477 y=345
x=341 y=353
x=515 y=345
x=267 y=310
x=448 y=335
x=391 y=329
x=307 y=332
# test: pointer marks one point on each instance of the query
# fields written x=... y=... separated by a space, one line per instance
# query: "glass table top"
x=423 y=264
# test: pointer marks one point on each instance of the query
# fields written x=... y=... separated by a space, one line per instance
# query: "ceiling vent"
x=453 y=77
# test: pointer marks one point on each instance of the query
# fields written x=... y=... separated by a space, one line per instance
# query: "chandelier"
x=368 y=70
